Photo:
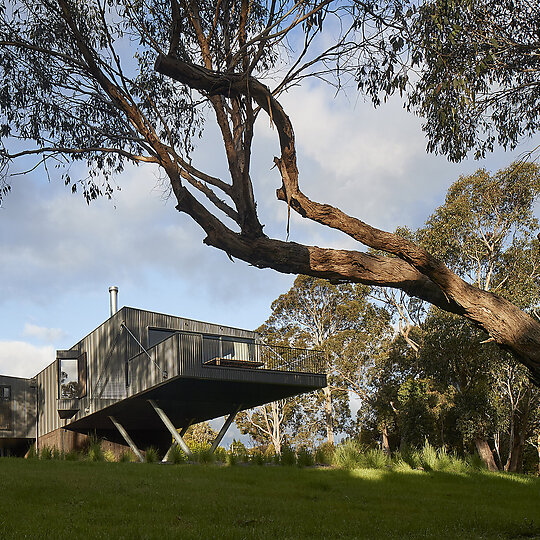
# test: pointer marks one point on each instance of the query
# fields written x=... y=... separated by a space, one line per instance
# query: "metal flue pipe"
x=113 y=293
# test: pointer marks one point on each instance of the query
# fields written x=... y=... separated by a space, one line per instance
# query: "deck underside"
x=187 y=400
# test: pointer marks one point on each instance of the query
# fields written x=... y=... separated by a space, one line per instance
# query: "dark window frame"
x=6 y=403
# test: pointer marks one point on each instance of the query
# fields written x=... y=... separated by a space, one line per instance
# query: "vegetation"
x=111 y=82
x=126 y=500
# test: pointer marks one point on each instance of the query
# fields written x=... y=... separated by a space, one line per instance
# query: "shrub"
x=348 y=455
x=109 y=456
x=257 y=457
x=287 y=456
x=324 y=454
x=125 y=457
x=151 y=455
x=220 y=454
x=304 y=457
x=46 y=453
x=72 y=456
x=32 y=453
x=239 y=450
x=474 y=461
x=56 y=454
x=231 y=459
x=202 y=453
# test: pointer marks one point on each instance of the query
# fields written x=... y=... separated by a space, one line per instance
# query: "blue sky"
x=59 y=255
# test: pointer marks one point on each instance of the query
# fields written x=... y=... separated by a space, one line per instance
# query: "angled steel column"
x=169 y=425
x=127 y=438
x=182 y=433
x=224 y=429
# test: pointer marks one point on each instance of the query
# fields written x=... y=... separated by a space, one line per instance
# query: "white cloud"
x=21 y=359
x=47 y=335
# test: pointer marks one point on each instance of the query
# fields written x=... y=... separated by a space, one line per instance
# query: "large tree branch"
x=427 y=277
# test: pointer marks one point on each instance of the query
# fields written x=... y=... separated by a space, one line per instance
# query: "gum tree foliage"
x=485 y=232
x=108 y=82
x=317 y=314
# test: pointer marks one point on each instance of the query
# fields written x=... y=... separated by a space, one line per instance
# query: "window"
x=5 y=408
x=156 y=335
x=5 y=392
x=69 y=378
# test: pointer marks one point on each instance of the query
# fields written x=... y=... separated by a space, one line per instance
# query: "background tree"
x=78 y=83
x=485 y=232
x=337 y=319
x=200 y=434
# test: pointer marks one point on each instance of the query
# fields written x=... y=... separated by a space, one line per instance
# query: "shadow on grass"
x=126 y=500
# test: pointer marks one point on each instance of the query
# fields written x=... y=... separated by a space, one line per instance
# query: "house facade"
x=141 y=378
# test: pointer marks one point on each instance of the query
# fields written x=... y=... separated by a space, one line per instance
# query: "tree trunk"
x=516 y=455
x=328 y=420
x=538 y=450
x=485 y=453
x=385 y=444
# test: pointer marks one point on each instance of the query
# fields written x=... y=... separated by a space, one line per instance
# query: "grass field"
x=62 y=499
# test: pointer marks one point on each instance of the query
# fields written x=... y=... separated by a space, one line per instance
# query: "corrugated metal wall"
x=20 y=408
x=47 y=392
x=109 y=347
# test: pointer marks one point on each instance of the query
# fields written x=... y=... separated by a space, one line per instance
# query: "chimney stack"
x=113 y=293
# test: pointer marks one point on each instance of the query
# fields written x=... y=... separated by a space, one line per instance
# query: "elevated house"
x=142 y=378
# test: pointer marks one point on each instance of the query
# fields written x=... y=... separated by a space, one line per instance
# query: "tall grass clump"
x=348 y=455
x=177 y=455
x=32 y=453
x=109 y=456
x=46 y=453
x=95 y=452
x=72 y=455
x=126 y=457
x=151 y=455
x=410 y=456
x=428 y=457
x=375 y=458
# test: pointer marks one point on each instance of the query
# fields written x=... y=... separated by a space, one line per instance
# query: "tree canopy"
x=108 y=82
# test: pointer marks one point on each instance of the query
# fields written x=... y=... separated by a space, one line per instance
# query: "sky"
x=60 y=255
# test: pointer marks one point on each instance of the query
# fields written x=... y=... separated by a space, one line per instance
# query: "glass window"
x=69 y=378
x=156 y=335
x=5 y=408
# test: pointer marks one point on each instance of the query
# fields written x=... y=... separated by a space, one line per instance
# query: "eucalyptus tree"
x=320 y=315
x=107 y=82
x=267 y=424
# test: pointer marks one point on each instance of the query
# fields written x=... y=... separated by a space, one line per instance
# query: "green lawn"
x=62 y=499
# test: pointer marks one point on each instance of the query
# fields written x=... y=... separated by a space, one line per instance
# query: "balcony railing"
x=250 y=355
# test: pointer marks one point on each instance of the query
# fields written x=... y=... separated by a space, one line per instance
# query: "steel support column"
x=169 y=425
x=224 y=429
x=127 y=438
x=182 y=433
